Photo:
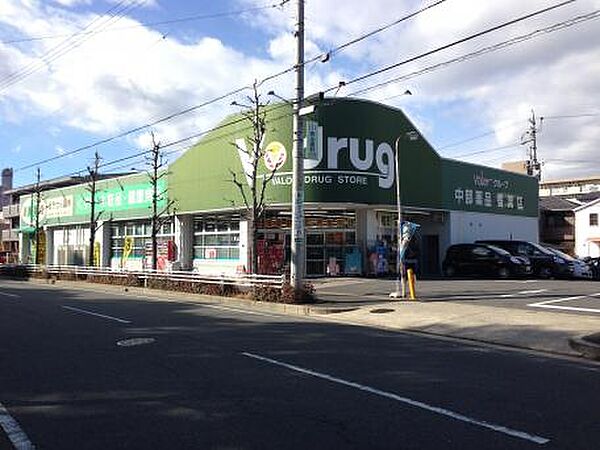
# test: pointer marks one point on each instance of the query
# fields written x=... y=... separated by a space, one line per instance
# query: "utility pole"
x=38 y=201
x=534 y=167
x=298 y=242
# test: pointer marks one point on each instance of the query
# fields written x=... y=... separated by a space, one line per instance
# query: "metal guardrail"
x=242 y=280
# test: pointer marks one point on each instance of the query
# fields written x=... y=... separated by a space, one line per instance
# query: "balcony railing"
x=10 y=235
x=10 y=211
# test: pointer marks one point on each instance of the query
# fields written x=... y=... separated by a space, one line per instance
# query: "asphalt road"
x=570 y=296
x=221 y=378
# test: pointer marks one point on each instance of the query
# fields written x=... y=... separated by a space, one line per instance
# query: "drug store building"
x=349 y=199
x=349 y=196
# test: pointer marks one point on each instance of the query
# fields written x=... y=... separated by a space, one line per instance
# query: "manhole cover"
x=135 y=341
x=381 y=310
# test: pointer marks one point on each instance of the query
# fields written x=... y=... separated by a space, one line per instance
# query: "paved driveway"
x=577 y=297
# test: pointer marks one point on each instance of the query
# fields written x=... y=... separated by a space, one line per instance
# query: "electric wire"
x=69 y=44
x=152 y=24
x=447 y=46
x=570 y=116
x=236 y=91
x=209 y=102
x=485 y=50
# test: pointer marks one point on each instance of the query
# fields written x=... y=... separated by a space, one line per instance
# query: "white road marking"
x=516 y=281
x=13 y=430
x=566 y=299
x=435 y=409
x=535 y=291
x=135 y=342
x=548 y=304
x=241 y=311
x=83 y=311
x=568 y=308
x=8 y=294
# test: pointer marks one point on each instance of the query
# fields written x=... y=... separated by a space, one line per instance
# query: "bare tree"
x=253 y=191
x=37 y=190
x=91 y=188
x=157 y=172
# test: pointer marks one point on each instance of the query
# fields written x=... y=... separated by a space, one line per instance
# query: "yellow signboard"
x=127 y=248
x=97 y=254
x=40 y=253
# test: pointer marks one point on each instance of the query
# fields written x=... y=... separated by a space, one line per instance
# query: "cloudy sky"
x=75 y=72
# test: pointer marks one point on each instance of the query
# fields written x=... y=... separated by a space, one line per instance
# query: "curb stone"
x=283 y=308
x=586 y=346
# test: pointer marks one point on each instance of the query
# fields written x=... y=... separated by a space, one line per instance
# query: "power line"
x=478 y=136
x=151 y=24
x=455 y=43
x=115 y=13
x=221 y=126
x=209 y=102
x=489 y=49
x=570 y=116
x=487 y=150
x=342 y=47
x=133 y=130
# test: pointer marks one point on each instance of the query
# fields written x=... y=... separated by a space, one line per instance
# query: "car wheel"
x=503 y=272
x=545 y=272
x=450 y=271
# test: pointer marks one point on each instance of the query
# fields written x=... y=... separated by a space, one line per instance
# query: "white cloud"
x=555 y=74
x=98 y=89
x=71 y=3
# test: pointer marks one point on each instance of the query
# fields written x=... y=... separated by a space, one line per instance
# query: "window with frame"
x=141 y=232
x=216 y=238
x=593 y=219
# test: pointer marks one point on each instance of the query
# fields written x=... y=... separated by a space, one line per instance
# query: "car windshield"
x=499 y=250
x=561 y=254
x=544 y=250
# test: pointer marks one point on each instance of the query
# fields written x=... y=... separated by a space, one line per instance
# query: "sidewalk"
x=536 y=330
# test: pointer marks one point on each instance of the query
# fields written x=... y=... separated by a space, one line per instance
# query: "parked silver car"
x=581 y=269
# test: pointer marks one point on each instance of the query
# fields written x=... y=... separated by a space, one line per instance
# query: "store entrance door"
x=431 y=251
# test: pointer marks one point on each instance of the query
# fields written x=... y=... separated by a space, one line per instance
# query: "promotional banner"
x=127 y=248
x=407 y=231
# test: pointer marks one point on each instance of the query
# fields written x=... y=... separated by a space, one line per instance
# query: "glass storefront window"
x=217 y=238
x=141 y=232
x=314 y=239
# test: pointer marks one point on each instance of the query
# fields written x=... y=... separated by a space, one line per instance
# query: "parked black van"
x=545 y=264
x=483 y=260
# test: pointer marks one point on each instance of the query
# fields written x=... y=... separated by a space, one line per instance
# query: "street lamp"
x=273 y=94
x=400 y=291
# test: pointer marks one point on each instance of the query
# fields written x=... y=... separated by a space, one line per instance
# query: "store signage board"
x=350 y=157
x=72 y=205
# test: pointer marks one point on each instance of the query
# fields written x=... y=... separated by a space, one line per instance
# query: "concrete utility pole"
x=534 y=168
x=298 y=241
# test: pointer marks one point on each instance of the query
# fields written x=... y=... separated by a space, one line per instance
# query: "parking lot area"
x=576 y=297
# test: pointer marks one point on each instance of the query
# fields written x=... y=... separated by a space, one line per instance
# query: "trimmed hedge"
x=286 y=294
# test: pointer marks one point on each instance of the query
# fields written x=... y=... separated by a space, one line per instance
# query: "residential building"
x=587 y=229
